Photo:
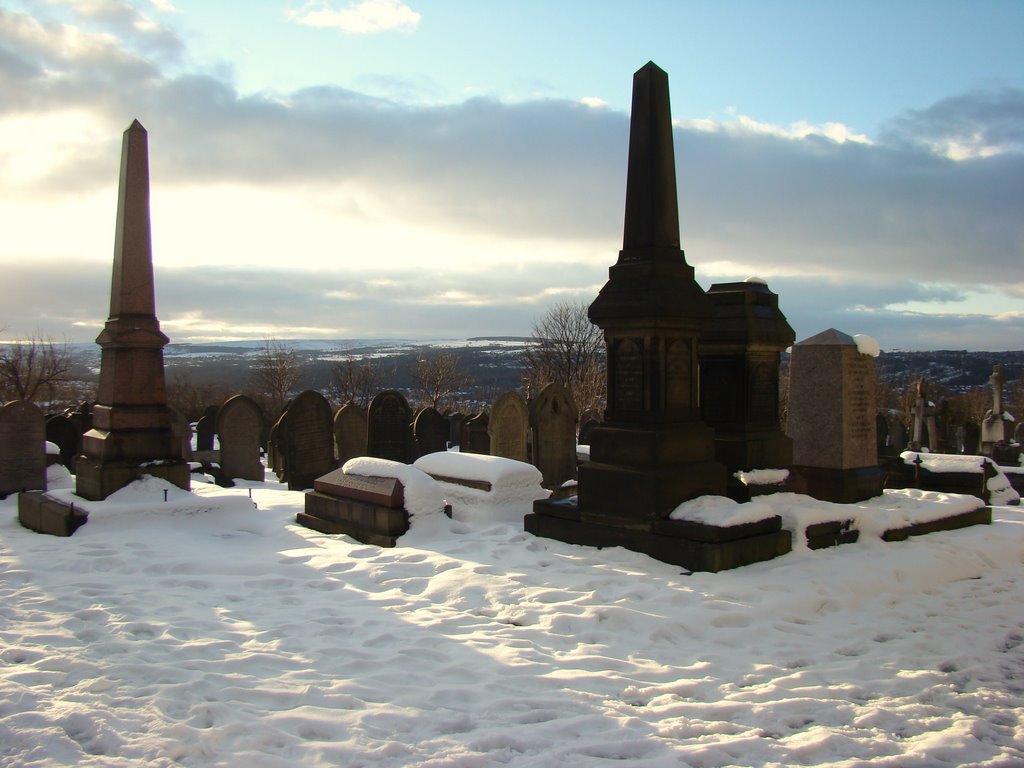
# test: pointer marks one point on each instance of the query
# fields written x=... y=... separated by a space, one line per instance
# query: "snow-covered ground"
x=202 y=631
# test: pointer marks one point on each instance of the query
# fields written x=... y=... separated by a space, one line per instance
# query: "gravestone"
x=652 y=452
x=240 y=425
x=832 y=419
x=131 y=434
x=740 y=353
x=430 y=429
x=274 y=454
x=923 y=431
x=882 y=435
x=350 y=432
x=588 y=424
x=182 y=431
x=307 y=438
x=65 y=434
x=388 y=427
x=508 y=426
x=81 y=415
x=455 y=433
x=22 y=448
x=997 y=428
x=553 y=427
x=206 y=428
x=475 y=438
x=898 y=437
x=972 y=438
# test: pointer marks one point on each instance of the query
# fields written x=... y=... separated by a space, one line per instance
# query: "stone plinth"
x=131 y=434
x=369 y=509
x=832 y=420
x=42 y=514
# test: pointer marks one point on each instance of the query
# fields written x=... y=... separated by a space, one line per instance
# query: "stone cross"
x=920 y=406
x=997 y=379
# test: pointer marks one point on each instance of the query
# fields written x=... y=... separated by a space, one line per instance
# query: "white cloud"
x=359 y=18
x=594 y=102
x=742 y=124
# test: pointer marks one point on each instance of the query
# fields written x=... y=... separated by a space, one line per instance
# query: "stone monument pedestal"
x=693 y=546
x=832 y=420
x=652 y=452
x=369 y=509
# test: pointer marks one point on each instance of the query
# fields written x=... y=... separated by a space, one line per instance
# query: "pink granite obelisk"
x=131 y=433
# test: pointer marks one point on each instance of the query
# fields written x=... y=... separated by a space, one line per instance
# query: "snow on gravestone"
x=22 y=448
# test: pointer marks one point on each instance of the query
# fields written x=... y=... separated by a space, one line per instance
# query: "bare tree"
x=277 y=370
x=438 y=378
x=33 y=368
x=566 y=347
x=357 y=381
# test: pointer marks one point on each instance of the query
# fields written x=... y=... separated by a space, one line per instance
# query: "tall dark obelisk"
x=131 y=433
x=652 y=452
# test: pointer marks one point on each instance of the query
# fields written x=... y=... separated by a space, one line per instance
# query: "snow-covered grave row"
x=209 y=629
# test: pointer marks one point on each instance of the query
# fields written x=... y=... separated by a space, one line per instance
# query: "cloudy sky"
x=449 y=168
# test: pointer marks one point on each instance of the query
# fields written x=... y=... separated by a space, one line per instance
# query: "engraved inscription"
x=629 y=375
x=678 y=379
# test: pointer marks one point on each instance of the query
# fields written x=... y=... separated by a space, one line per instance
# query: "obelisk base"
x=693 y=546
x=840 y=486
x=96 y=480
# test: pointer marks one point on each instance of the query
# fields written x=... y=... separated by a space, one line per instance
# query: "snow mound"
x=514 y=486
x=762 y=476
x=867 y=345
x=721 y=511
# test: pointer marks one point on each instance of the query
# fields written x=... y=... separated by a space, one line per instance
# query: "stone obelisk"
x=652 y=452
x=131 y=433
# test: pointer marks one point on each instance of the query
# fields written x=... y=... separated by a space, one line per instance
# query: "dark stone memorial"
x=388 y=427
x=455 y=420
x=740 y=352
x=65 y=434
x=350 y=432
x=307 y=439
x=430 y=429
x=508 y=426
x=240 y=426
x=131 y=434
x=206 y=428
x=22 y=448
x=476 y=437
x=369 y=509
x=553 y=432
x=652 y=452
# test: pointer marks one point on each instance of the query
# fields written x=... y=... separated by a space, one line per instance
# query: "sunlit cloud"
x=742 y=124
x=359 y=18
